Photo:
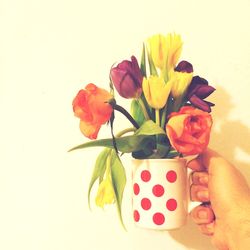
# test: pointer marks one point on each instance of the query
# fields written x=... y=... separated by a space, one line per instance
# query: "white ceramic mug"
x=161 y=198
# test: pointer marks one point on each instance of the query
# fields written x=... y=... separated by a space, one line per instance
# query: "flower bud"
x=198 y=91
x=156 y=91
x=127 y=78
x=184 y=67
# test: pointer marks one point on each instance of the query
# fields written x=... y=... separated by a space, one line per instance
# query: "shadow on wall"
x=228 y=136
x=191 y=238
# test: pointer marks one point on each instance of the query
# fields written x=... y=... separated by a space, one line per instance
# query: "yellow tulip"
x=180 y=83
x=105 y=193
x=165 y=50
x=156 y=91
x=174 y=48
x=158 y=50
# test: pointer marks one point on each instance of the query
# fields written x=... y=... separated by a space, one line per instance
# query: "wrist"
x=240 y=237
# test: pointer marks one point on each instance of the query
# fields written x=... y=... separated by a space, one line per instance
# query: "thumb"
x=208 y=161
x=223 y=176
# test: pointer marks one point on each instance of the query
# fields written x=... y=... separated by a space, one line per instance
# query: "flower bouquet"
x=169 y=117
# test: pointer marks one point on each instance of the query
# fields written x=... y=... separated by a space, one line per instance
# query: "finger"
x=207 y=229
x=199 y=193
x=202 y=215
x=209 y=155
x=196 y=164
x=219 y=169
x=200 y=178
x=205 y=160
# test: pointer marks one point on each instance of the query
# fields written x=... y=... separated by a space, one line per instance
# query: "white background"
x=49 y=49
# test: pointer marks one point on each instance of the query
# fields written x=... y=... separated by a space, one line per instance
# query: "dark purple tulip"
x=199 y=90
x=127 y=78
x=184 y=67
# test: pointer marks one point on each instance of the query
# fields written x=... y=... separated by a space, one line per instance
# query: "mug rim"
x=162 y=159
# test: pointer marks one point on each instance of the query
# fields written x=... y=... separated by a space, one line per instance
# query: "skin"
x=226 y=217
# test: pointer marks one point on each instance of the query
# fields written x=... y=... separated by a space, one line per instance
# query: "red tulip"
x=127 y=78
x=90 y=105
x=199 y=90
x=189 y=130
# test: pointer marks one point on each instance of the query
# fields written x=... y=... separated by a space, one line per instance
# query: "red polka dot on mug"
x=136 y=189
x=158 y=218
x=145 y=203
x=136 y=216
x=171 y=176
x=158 y=190
x=171 y=204
x=145 y=175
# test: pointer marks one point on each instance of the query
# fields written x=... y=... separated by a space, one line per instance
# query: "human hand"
x=226 y=215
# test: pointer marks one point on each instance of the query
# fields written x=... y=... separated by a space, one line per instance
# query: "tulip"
x=181 y=82
x=198 y=91
x=184 y=67
x=174 y=45
x=165 y=50
x=105 y=193
x=90 y=105
x=156 y=91
x=189 y=130
x=158 y=50
x=127 y=78
x=182 y=77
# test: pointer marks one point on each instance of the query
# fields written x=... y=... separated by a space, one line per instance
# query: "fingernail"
x=203 y=195
x=210 y=227
x=202 y=214
x=203 y=180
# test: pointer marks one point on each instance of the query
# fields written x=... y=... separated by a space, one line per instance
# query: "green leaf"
x=158 y=150
x=136 y=112
x=144 y=153
x=143 y=62
x=119 y=181
x=162 y=151
x=152 y=67
x=126 y=144
x=99 y=169
x=172 y=154
x=149 y=128
x=143 y=137
x=148 y=108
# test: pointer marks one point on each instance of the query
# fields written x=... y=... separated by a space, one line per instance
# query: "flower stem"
x=164 y=116
x=108 y=165
x=125 y=113
x=157 y=117
x=177 y=104
x=166 y=111
x=127 y=130
x=144 y=110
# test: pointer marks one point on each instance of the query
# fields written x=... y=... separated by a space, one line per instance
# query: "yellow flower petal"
x=105 y=193
x=174 y=48
x=165 y=50
x=177 y=122
x=156 y=91
x=158 y=50
x=180 y=84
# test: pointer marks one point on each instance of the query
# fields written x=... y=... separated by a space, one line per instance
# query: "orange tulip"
x=90 y=105
x=189 y=130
